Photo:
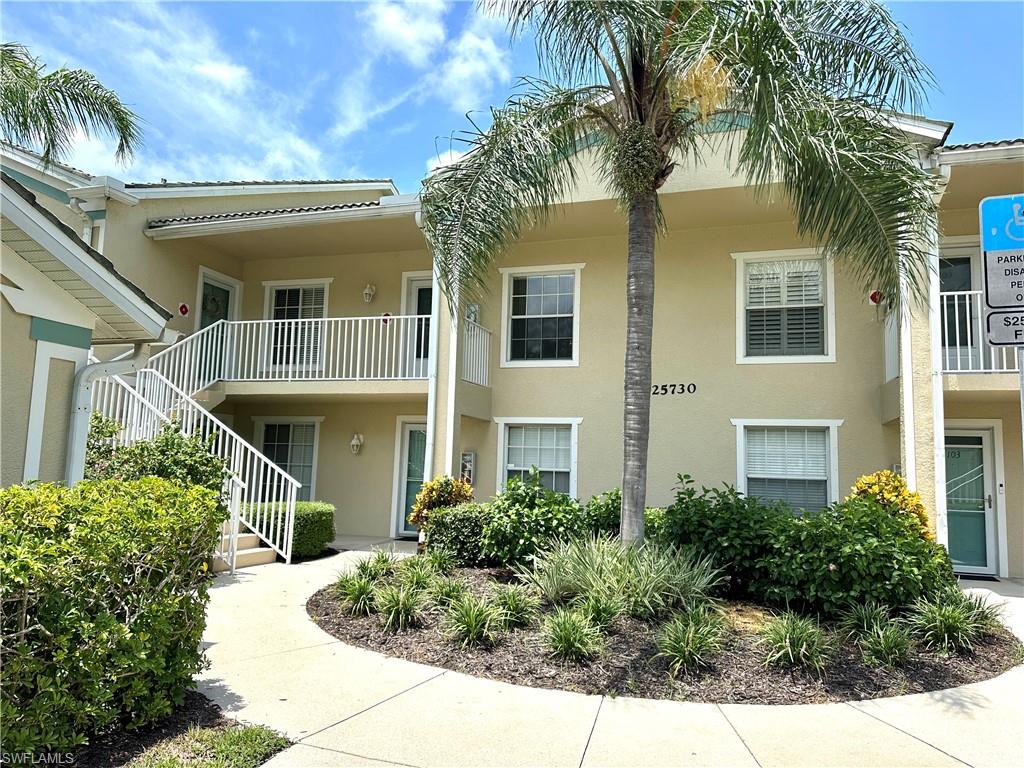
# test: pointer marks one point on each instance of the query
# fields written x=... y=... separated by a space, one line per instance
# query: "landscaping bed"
x=628 y=665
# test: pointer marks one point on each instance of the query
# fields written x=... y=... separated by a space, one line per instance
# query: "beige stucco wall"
x=360 y=487
x=17 y=354
x=694 y=341
x=53 y=450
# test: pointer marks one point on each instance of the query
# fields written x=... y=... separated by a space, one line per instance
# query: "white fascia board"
x=24 y=216
x=980 y=155
x=227 y=226
x=30 y=163
x=932 y=130
x=230 y=190
x=103 y=188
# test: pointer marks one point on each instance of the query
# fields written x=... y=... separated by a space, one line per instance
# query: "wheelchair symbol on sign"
x=1015 y=225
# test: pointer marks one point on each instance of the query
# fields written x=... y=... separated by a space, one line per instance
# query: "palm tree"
x=800 y=93
x=45 y=109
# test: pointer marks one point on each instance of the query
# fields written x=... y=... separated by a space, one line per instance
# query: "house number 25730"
x=673 y=389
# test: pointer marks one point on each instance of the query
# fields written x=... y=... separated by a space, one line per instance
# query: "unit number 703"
x=673 y=389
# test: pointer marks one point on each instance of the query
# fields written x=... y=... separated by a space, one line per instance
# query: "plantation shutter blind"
x=789 y=464
x=298 y=343
x=785 y=308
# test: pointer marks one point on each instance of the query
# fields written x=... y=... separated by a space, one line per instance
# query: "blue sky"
x=353 y=89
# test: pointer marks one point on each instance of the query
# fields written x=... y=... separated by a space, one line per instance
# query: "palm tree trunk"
x=636 y=416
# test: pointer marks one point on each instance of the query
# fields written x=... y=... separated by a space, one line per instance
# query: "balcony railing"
x=381 y=348
x=476 y=354
x=964 y=349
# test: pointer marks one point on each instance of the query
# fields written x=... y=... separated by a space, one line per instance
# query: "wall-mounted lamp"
x=369 y=292
x=473 y=313
x=357 y=443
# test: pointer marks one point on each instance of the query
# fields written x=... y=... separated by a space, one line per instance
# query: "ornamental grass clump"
x=445 y=590
x=952 y=621
x=689 y=640
x=887 y=644
x=356 y=592
x=441 y=560
x=416 y=572
x=571 y=635
x=791 y=640
x=603 y=606
x=472 y=621
x=862 y=619
x=400 y=607
x=378 y=567
x=518 y=605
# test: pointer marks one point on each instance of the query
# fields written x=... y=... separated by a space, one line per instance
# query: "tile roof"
x=255 y=182
x=983 y=144
x=54 y=163
x=96 y=256
x=202 y=218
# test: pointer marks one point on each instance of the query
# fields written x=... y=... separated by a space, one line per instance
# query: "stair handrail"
x=192 y=363
x=267 y=504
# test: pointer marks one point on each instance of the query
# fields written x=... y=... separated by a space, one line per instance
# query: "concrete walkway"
x=346 y=706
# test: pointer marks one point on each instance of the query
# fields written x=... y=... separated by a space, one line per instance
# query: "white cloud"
x=475 y=65
x=441 y=159
x=231 y=76
x=412 y=29
x=358 y=103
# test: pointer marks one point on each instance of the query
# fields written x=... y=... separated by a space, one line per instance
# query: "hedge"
x=314 y=528
x=104 y=592
x=458 y=530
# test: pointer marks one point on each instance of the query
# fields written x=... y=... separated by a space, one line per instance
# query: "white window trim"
x=506 y=310
x=401 y=422
x=234 y=285
x=504 y=422
x=317 y=282
x=832 y=425
x=789 y=254
x=45 y=352
x=261 y=421
x=408 y=278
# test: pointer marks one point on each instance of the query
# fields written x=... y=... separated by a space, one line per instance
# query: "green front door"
x=216 y=304
x=414 y=453
x=969 y=502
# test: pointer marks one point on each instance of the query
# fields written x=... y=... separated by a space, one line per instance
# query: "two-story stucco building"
x=315 y=333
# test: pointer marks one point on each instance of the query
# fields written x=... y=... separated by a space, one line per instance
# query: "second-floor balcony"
x=379 y=348
x=964 y=348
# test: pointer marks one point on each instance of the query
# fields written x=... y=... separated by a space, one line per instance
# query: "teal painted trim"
x=42 y=329
x=37 y=186
x=96 y=215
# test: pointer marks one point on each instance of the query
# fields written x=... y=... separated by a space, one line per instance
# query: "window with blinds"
x=548 y=448
x=292 y=447
x=298 y=343
x=789 y=464
x=785 y=308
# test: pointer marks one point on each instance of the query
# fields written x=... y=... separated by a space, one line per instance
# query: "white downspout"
x=81 y=406
x=76 y=206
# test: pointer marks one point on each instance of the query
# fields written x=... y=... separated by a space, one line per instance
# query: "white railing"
x=377 y=348
x=476 y=353
x=267 y=493
x=964 y=349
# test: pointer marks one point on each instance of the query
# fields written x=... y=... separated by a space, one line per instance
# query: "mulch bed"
x=121 y=746
x=627 y=666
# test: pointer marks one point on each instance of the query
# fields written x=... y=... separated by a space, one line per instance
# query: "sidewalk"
x=346 y=706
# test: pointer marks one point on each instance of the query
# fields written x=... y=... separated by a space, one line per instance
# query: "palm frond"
x=511 y=175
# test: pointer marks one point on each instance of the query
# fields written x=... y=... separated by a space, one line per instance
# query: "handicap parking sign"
x=1002 y=246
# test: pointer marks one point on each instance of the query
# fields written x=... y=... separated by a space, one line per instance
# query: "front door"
x=419 y=301
x=970 y=501
x=216 y=302
x=413 y=460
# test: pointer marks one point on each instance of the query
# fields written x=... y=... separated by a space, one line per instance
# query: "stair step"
x=247 y=557
x=245 y=541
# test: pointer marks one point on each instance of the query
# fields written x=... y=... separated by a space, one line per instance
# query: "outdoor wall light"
x=369 y=292
x=357 y=443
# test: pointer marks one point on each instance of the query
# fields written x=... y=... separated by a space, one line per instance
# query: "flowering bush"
x=443 y=491
x=890 y=490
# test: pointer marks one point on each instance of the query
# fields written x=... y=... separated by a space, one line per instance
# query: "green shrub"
x=445 y=590
x=400 y=607
x=887 y=644
x=518 y=604
x=472 y=621
x=440 y=493
x=357 y=592
x=104 y=592
x=853 y=552
x=951 y=621
x=416 y=572
x=688 y=640
x=604 y=515
x=603 y=606
x=441 y=560
x=525 y=517
x=313 y=529
x=377 y=567
x=572 y=635
x=862 y=619
x=791 y=640
x=459 y=531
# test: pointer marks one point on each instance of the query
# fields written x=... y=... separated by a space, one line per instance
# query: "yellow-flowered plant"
x=890 y=490
x=442 y=491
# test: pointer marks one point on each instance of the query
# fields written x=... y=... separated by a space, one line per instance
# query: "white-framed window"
x=540 y=316
x=785 y=307
x=549 y=444
x=292 y=442
x=296 y=343
x=795 y=461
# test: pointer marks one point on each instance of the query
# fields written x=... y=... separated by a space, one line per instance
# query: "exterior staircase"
x=249 y=549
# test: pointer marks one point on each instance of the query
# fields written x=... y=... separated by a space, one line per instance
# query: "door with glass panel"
x=217 y=302
x=418 y=301
x=297 y=336
x=412 y=462
x=970 y=503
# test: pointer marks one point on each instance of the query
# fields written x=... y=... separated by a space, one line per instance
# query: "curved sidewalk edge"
x=346 y=706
